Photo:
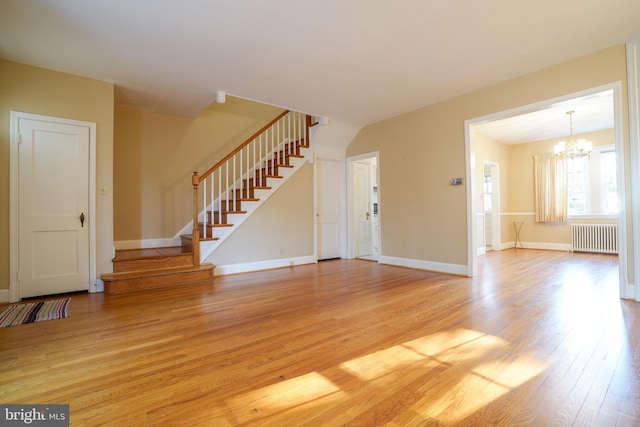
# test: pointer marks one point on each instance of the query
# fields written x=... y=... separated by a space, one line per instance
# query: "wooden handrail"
x=241 y=146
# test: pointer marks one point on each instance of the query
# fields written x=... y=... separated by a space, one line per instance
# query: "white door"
x=53 y=207
x=362 y=203
x=329 y=216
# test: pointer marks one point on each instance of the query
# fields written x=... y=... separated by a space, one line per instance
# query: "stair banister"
x=196 y=180
x=195 y=237
x=241 y=146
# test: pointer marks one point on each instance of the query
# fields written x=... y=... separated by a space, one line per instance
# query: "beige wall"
x=156 y=154
x=39 y=91
x=422 y=216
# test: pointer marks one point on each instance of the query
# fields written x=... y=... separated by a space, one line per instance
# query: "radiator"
x=600 y=238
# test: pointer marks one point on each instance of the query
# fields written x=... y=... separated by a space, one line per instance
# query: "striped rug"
x=34 y=312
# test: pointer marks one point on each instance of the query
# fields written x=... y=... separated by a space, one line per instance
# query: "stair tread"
x=154 y=272
x=229 y=212
x=202 y=239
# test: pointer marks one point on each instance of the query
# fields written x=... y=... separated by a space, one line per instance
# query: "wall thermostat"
x=455 y=181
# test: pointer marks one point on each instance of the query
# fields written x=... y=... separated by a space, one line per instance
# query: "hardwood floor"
x=538 y=338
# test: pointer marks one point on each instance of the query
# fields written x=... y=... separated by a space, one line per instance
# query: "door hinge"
x=18 y=275
x=19 y=138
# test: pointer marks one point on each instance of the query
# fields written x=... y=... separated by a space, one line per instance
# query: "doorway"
x=364 y=207
x=474 y=193
x=491 y=207
x=52 y=199
x=330 y=211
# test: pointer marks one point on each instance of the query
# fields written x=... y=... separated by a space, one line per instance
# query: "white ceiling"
x=358 y=61
x=590 y=113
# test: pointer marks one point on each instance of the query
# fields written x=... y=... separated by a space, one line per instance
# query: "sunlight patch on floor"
x=456 y=345
x=484 y=375
x=478 y=388
x=288 y=394
x=381 y=363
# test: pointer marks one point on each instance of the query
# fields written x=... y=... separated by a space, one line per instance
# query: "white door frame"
x=633 y=85
x=351 y=233
x=495 y=205
x=472 y=261
x=14 y=138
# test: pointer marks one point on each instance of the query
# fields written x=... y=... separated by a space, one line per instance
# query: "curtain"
x=550 y=181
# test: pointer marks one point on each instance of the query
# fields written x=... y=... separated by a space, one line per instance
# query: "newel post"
x=195 y=181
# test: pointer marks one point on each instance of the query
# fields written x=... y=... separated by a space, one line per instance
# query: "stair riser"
x=245 y=193
x=282 y=158
x=152 y=263
x=229 y=205
x=262 y=174
x=267 y=171
x=225 y=217
x=187 y=243
x=137 y=284
x=217 y=218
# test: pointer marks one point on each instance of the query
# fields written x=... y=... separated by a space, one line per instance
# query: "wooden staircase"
x=221 y=220
x=146 y=269
x=153 y=268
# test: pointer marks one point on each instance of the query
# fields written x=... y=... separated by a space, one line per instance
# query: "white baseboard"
x=146 y=243
x=440 y=267
x=630 y=292
x=4 y=295
x=222 y=270
x=538 y=245
x=98 y=286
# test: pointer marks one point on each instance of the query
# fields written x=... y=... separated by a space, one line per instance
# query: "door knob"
x=82 y=219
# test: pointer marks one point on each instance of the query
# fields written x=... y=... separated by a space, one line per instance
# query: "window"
x=609 y=189
x=591 y=183
x=577 y=185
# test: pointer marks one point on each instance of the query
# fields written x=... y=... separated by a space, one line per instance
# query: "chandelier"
x=573 y=148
